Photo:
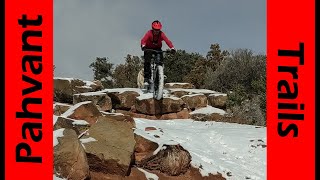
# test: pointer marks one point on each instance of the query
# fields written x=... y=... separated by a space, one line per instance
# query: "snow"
x=178 y=83
x=194 y=91
x=86 y=140
x=64 y=78
x=150 y=96
x=208 y=110
x=148 y=175
x=228 y=148
x=57 y=178
x=170 y=96
x=145 y=96
x=122 y=90
x=192 y=95
x=71 y=110
x=91 y=94
x=75 y=121
x=57 y=133
x=88 y=83
x=55 y=118
x=79 y=122
x=218 y=94
x=61 y=104
x=112 y=114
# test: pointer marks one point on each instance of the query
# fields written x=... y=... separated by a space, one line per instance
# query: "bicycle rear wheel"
x=158 y=83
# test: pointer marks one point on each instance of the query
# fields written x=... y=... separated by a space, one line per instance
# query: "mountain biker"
x=153 y=40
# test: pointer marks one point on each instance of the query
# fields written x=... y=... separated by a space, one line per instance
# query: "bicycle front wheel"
x=158 y=83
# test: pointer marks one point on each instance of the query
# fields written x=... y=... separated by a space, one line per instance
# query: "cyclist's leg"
x=147 y=65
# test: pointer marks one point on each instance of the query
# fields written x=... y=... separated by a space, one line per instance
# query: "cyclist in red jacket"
x=153 y=40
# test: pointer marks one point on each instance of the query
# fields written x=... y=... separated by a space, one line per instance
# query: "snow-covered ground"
x=236 y=151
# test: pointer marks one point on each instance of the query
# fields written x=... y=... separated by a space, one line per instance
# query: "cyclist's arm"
x=166 y=39
x=145 y=38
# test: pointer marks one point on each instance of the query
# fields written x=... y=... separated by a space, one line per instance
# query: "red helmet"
x=156 y=25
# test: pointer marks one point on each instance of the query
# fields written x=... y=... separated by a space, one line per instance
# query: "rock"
x=120 y=117
x=79 y=126
x=173 y=161
x=124 y=100
x=60 y=108
x=179 y=93
x=218 y=100
x=166 y=105
x=143 y=148
x=208 y=113
x=96 y=85
x=102 y=100
x=65 y=88
x=70 y=160
x=112 y=150
x=195 y=101
x=83 y=111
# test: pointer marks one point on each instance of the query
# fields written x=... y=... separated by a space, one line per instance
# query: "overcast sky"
x=86 y=29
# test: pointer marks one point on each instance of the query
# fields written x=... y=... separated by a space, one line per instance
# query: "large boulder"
x=70 y=160
x=218 y=100
x=151 y=106
x=110 y=146
x=83 y=111
x=102 y=100
x=195 y=101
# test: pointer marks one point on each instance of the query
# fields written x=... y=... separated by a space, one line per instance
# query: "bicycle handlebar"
x=166 y=51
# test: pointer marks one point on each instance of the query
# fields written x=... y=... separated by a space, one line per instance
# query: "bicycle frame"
x=155 y=62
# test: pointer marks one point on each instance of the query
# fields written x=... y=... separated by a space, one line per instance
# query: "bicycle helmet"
x=156 y=25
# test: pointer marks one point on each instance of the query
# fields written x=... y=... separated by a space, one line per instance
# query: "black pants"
x=147 y=63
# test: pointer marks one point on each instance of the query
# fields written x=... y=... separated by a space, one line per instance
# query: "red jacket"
x=154 y=42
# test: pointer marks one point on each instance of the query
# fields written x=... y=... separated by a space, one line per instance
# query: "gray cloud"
x=85 y=29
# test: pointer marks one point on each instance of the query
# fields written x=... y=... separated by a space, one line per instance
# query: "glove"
x=173 y=50
x=143 y=47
